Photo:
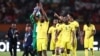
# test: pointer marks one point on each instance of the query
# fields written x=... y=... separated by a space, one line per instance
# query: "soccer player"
x=58 y=25
x=52 y=32
x=66 y=40
x=74 y=24
x=33 y=18
x=42 y=27
x=89 y=32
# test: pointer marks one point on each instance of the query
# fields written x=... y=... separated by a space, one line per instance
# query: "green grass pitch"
x=79 y=53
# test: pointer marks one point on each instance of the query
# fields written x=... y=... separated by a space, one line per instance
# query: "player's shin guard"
x=65 y=52
x=86 y=52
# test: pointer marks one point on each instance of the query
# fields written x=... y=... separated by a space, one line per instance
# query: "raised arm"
x=33 y=16
x=59 y=17
x=43 y=12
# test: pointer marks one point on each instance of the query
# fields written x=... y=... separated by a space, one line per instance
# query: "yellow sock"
x=68 y=54
x=74 y=52
x=62 y=54
x=86 y=52
x=52 y=55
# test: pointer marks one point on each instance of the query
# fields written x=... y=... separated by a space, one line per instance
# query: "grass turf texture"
x=79 y=53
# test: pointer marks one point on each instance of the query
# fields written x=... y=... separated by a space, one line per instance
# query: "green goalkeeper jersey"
x=34 y=35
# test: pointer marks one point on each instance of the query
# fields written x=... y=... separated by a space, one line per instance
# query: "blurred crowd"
x=19 y=10
x=15 y=10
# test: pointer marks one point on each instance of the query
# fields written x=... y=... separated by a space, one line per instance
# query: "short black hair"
x=37 y=1
x=28 y=25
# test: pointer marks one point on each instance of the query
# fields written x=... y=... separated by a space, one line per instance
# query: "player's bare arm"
x=93 y=33
x=78 y=31
x=73 y=37
x=35 y=17
x=49 y=34
x=56 y=36
x=59 y=17
x=43 y=12
x=82 y=35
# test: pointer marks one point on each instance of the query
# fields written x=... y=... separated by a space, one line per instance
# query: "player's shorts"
x=41 y=44
x=75 y=44
x=88 y=43
x=58 y=43
x=52 y=45
x=66 y=44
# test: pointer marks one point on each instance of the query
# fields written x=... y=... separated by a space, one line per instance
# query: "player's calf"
x=62 y=52
x=68 y=51
x=92 y=51
x=39 y=53
x=57 y=52
x=44 y=52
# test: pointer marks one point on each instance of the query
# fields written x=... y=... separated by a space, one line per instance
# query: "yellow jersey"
x=52 y=31
x=42 y=28
x=57 y=27
x=66 y=32
x=88 y=30
x=74 y=25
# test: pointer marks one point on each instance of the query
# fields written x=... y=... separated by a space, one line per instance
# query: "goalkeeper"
x=36 y=12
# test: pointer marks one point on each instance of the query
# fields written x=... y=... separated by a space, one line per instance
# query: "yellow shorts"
x=52 y=45
x=88 y=43
x=58 y=43
x=66 y=44
x=41 y=44
x=75 y=44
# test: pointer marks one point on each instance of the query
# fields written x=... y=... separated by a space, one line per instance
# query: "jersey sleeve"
x=77 y=24
x=94 y=27
x=73 y=28
x=32 y=18
x=50 y=29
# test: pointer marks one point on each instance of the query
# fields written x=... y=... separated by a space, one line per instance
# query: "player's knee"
x=68 y=51
x=53 y=51
x=86 y=48
x=44 y=50
x=57 y=51
x=39 y=53
x=62 y=50
x=91 y=49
